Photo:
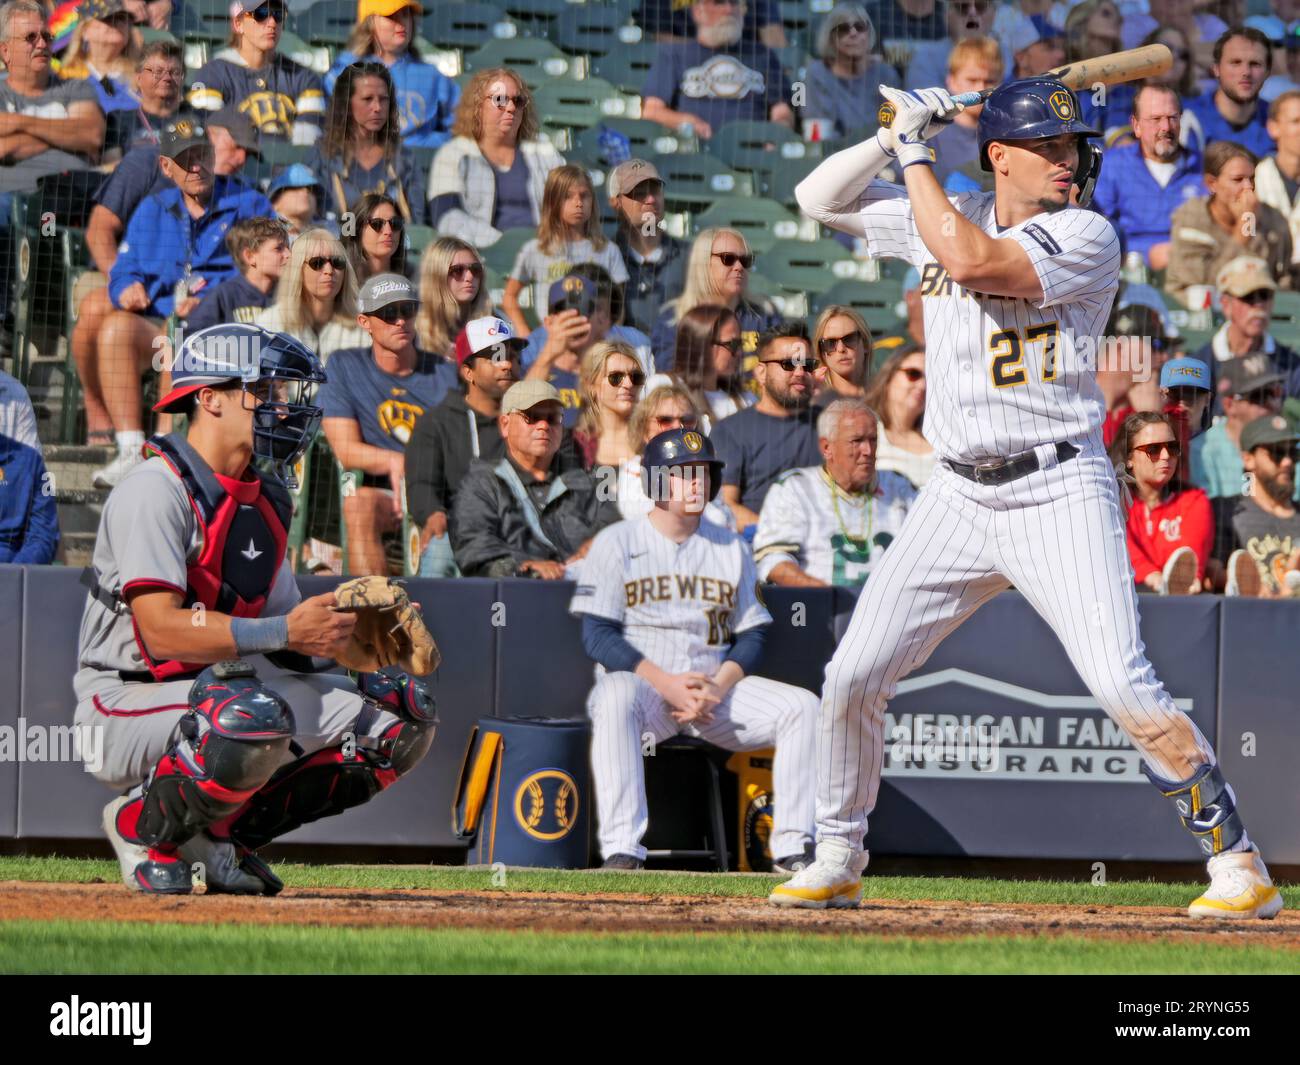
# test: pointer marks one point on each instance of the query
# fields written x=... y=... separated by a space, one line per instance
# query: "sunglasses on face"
x=1257 y=297
x=616 y=378
x=317 y=262
x=1154 y=451
x=730 y=258
x=912 y=373
x=35 y=37
x=266 y=11
x=849 y=340
x=464 y=270
x=554 y=419
x=733 y=345
x=644 y=191
x=846 y=28
x=676 y=421
x=395 y=311
x=1280 y=452
x=501 y=101
x=1186 y=395
x=163 y=73
x=790 y=365
x=378 y=224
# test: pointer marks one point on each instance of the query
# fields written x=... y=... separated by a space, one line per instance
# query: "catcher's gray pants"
x=135 y=721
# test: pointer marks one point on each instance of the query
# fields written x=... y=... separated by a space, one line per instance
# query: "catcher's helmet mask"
x=674 y=452
x=1035 y=109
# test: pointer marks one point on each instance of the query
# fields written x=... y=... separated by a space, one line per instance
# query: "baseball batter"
x=672 y=617
x=189 y=569
x=1016 y=285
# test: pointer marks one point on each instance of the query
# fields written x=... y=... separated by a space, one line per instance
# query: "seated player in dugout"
x=672 y=616
x=213 y=758
x=1023 y=493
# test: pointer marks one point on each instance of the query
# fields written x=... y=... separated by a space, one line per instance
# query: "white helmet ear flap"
x=1089 y=170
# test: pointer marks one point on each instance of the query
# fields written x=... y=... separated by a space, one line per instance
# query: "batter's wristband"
x=256 y=636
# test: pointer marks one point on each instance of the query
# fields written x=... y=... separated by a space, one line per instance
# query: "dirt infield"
x=502 y=910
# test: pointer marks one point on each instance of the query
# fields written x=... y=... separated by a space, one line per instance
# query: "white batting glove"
x=918 y=116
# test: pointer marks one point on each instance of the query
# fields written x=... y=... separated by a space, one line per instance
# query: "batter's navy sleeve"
x=604 y=642
x=747 y=649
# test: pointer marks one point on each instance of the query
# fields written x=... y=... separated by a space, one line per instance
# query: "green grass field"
x=66 y=946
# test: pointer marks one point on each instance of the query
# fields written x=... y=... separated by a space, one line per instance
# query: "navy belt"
x=1004 y=471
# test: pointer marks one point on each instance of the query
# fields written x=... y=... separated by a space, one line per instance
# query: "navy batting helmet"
x=1027 y=109
x=677 y=448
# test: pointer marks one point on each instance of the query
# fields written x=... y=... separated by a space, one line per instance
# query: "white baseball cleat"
x=833 y=881
x=1240 y=889
x=129 y=855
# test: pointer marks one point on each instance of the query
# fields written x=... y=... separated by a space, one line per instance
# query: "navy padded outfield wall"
x=1044 y=774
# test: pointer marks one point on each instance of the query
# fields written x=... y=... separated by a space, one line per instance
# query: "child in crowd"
x=260 y=248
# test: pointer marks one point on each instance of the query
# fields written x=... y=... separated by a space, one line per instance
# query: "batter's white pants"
x=1058 y=536
x=136 y=720
x=756 y=713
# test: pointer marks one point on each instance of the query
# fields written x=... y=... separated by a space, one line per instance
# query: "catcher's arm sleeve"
x=832 y=193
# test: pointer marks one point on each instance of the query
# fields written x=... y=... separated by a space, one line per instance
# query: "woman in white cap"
x=426 y=98
x=844 y=82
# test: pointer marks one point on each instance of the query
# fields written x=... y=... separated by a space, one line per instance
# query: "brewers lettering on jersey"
x=1020 y=284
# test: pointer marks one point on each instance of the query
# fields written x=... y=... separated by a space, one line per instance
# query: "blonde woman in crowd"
x=897 y=394
x=316 y=299
x=452 y=293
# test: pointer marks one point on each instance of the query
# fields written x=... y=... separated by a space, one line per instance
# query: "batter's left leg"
x=1074 y=570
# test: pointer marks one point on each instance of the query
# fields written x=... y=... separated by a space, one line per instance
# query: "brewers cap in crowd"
x=483 y=336
x=366 y=8
x=180 y=136
x=627 y=176
x=99 y=9
x=382 y=289
x=1240 y=377
x=1243 y=275
x=524 y=395
x=1270 y=429
x=239 y=126
x=294 y=176
x=1185 y=372
x=572 y=292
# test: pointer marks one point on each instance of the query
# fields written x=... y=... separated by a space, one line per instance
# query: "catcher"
x=200 y=661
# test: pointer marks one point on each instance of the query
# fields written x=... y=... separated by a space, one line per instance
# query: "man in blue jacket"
x=29 y=518
x=175 y=249
x=1142 y=184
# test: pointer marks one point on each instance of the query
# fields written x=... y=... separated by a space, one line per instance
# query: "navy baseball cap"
x=572 y=293
x=1185 y=372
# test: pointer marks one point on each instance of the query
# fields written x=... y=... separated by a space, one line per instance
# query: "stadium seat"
x=794 y=60
x=763 y=222
x=417 y=239
x=745 y=145
x=799 y=18
x=644 y=138
x=577 y=104
x=626 y=66
x=205 y=21
x=466 y=25
x=692 y=182
x=594 y=30
x=807 y=266
x=536 y=18
x=536 y=60
x=317 y=58
x=500 y=257
x=876 y=301
x=778 y=180
x=327 y=22
x=1285 y=323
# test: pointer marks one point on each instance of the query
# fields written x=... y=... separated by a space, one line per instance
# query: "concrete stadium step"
x=72 y=466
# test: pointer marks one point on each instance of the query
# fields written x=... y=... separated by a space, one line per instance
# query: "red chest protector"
x=243 y=528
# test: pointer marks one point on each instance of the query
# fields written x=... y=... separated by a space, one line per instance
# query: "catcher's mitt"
x=390 y=630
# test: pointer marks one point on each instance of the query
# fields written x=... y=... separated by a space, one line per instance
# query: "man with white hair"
x=716 y=78
x=828 y=525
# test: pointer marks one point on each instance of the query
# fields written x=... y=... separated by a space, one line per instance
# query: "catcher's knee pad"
x=1206 y=806
x=226 y=747
x=408 y=697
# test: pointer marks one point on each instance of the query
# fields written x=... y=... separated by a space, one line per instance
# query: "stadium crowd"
x=491 y=425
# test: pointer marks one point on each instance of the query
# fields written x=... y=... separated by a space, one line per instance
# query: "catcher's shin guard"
x=1206 y=806
x=337 y=778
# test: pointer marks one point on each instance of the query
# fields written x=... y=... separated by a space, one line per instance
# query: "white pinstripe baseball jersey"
x=1005 y=375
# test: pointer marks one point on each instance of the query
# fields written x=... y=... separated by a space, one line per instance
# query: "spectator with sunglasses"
x=1142 y=184
x=716 y=78
x=842 y=339
x=1170 y=530
x=1247 y=388
x=843 y=85
x=283 y=100
x=376 y=240
x=452 y=293
x=103 y=51
x=316 y=298
x=897 y=393
x=827 y=525
x=1210 y=231
x=426 y=98
x=610 y=381
x=370 y=405
x=779 y=433
x=361 y=153
x=1263 y=541
x=492 y=174
x=664 y=407
x=655 y=262
x=717 y=271
x=707 y=363
x=525 y=515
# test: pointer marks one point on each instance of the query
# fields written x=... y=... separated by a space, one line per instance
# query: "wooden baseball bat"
x=1112 y=69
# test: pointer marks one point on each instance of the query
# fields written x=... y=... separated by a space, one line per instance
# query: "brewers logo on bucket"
x=546 y=804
